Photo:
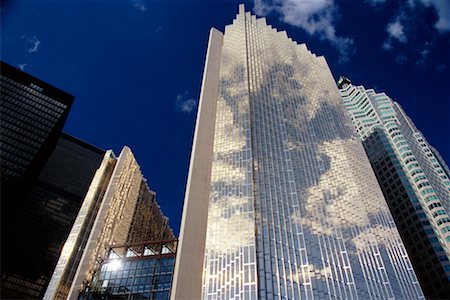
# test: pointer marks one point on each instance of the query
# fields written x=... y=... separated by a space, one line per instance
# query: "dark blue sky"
x=135 y=66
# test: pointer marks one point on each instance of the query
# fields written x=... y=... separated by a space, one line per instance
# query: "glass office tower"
x=281 y=200
x=44 y=218
x=119 y=209
x=414 y=179
x=45 y=175
x=33 y=115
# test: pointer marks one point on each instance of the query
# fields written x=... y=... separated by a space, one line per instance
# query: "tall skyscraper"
x=45 y=175
x=281 y=200
x=119 y=209
x=414 y=179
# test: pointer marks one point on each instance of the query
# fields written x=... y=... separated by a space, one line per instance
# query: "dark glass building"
x=45 y=175
x=45 y=217
x=33 y=114
x=140 y=271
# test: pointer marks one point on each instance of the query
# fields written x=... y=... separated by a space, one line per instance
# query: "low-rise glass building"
x=140 y=271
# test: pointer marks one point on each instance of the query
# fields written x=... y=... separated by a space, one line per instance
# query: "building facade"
x=45 y=217
x=139 y=271
x=281 y=201
x=414 y=179
x=33 y=115
x=119 y=209
x=45 y=175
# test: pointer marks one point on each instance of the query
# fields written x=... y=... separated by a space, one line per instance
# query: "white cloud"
x=35 y=43
x=226 y=172
x=411 y=23
x=226 y=211
x=443 y=11
x=423 y=56
x=387 y=45
x=22 y=66
x=327 y=203
x=234 y=133
x=442 y=8
x=315 y=17
x=395 y=30
x=139 y=5
x=185 y=104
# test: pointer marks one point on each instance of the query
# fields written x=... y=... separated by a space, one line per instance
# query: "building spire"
x=343 y=82
x=241 y=8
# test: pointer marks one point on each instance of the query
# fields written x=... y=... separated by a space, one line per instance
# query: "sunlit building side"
x=281 y=200
x=75 y=244
x=136 y=271
x=414 y=179
x=119 y=209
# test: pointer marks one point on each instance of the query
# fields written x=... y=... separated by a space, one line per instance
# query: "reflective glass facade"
x=45 y=216
x=413 y=178
x=45 y=175
x=142 y=271
x=75 y=244
x=295 y=210
x=118 y=209
x=33 y=115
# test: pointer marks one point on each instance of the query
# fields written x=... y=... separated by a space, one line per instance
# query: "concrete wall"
x=187 y=282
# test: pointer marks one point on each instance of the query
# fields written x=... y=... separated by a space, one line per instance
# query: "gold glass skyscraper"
x=281 y=201
x=119 y=209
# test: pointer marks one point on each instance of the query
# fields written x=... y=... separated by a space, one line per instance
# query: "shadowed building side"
x=45 y=175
